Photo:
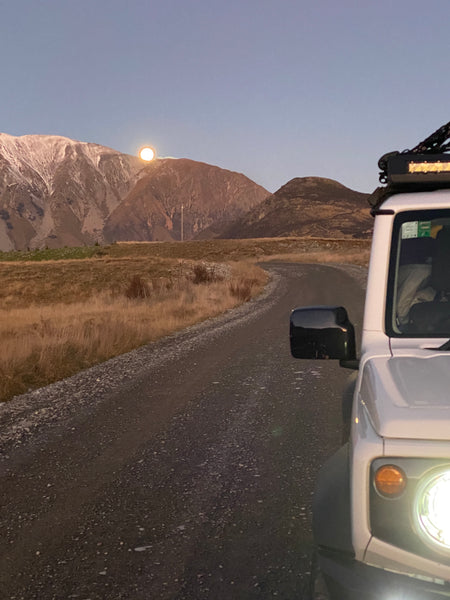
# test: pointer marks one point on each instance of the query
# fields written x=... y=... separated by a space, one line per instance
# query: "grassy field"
x=67 y=309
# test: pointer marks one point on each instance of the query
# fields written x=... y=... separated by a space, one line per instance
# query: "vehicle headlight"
x=410 y=505
x=431 y=510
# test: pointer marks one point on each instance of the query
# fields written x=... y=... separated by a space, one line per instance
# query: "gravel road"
x=181 y=470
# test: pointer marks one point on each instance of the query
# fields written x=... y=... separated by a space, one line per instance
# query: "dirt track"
x=182 y=470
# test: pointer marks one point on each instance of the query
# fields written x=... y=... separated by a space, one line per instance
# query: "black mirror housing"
x=322 y=332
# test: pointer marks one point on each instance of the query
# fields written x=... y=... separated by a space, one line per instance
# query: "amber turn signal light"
x=390 y=481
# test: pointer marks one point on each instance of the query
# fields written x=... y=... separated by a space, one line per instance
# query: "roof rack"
x=425 y=167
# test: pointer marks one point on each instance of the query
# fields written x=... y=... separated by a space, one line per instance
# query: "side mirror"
x=323 y=332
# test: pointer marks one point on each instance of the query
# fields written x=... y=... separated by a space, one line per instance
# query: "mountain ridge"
x=172 y=189
x=55 y=191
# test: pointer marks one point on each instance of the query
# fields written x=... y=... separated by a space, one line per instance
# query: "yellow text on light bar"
x=429 y=167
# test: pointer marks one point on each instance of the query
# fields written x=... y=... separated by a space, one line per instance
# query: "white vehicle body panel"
x=402 y=398
x=408 y=397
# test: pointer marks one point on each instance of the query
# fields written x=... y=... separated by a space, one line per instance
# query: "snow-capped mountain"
x=55 y=191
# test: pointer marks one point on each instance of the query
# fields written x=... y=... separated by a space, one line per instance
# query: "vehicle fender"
x=347 y=406
x=331 y=504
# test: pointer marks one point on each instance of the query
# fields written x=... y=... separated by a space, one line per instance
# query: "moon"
x=147 y=153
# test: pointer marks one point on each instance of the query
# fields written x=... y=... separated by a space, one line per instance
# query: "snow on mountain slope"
x=43 y=153
x=56 y=191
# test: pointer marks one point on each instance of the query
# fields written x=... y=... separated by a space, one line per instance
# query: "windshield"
x=419 y=276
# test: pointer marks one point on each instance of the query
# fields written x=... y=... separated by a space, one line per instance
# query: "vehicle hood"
x=408 y=396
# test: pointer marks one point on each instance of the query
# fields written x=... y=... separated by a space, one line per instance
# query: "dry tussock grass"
x=44 y=343
x=325 y=256
x=245 y=249
x=71 y=281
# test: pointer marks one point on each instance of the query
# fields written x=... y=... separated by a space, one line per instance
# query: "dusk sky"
x=274 y=89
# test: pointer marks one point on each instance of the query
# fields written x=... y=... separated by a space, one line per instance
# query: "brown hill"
x=207 y=197
x=307 y=206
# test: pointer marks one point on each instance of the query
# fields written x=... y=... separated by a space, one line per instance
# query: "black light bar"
x=411 y=168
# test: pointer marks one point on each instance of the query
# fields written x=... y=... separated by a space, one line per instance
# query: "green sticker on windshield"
x=424 y=229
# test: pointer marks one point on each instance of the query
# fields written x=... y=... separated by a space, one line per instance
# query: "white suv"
x=381 y=514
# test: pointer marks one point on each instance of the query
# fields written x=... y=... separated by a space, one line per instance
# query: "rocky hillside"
x=204 y=197
x=307 y=206
x=55 y=191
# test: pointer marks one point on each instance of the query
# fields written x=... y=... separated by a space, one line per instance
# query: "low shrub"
x=203 y=274
x=210 y=273
x=241 y=290
x=137 y=288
